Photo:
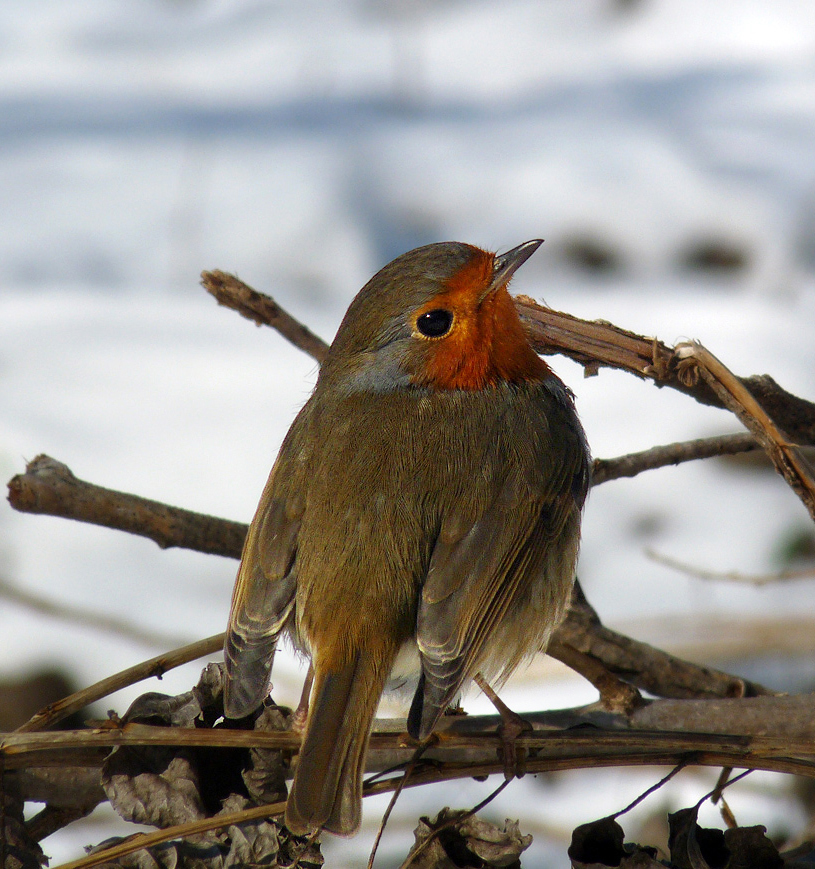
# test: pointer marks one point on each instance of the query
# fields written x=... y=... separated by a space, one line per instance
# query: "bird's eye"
x=434 y=324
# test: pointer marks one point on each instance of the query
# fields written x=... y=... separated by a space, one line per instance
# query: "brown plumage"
x=428 y=495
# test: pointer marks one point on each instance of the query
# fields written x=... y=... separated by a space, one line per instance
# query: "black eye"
x=435 y=323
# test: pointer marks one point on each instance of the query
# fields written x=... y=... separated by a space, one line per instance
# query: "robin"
x=423 y=514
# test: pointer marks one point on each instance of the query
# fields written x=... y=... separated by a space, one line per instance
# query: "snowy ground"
x=304 y=144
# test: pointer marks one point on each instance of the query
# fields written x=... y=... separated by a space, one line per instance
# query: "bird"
x=421 y=521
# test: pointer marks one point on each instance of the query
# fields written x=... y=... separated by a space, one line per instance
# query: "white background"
x=304 y=144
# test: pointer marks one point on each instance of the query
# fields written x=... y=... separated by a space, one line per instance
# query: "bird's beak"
x=508 y=263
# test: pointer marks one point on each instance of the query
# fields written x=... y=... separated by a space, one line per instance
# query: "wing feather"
x=506 y=571
x=264 y=595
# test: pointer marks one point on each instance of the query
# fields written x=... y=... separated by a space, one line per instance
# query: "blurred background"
x=665 y=149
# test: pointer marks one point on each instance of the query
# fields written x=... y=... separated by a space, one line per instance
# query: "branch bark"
x=699 y=364
x=157 y=666
x=592 y=344
x=597 y=344
x=232 y=292
x=671 y=454
x=49 y=487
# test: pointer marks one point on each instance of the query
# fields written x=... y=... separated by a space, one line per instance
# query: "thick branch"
x=49 y=487
x=737 y=726
x=593 y=344
x=596 y=344
x=642 y=665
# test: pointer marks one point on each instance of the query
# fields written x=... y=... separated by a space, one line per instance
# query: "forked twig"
x=695 y=361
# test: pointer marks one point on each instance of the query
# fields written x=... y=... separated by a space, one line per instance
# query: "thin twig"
x=647 y=793
x=86 y=618
x=730 y=575
x=138 y=841
x=153 y=667
x=232 y=292
x=721 y=786
x=402 y=781
x=452 y=822
x=671 y=454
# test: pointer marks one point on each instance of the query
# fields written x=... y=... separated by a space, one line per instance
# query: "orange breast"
x=487 y=343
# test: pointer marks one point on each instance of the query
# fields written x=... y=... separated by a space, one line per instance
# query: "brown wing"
x=508 y=572
x=265 y=586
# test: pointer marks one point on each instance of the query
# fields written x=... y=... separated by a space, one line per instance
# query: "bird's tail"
x=327 y=788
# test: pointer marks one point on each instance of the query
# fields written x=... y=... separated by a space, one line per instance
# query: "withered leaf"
x=751 y=849
x=461 y=840
x=695 y=847
x=601 y=843
x=20 y=851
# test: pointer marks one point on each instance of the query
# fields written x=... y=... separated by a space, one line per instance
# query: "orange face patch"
x=486 y=343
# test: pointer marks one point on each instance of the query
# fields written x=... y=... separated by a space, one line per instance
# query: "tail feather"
x=327 y=788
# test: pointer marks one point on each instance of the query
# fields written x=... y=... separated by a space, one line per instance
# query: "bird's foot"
x=511 y=727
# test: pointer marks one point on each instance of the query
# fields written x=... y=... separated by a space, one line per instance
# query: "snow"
x=304 y=144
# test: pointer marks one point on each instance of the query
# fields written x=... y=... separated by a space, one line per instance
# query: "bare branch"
x=648 y=668
x=49 y=487
x=789 y=461
x=671 y=454
x=658 y=725
x=615 y=694
x=661 y=726
x=179 y=831
x=233 y=293
x=596 y=344
x=153 y=667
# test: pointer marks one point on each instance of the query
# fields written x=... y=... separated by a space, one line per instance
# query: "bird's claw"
x=510 y=754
